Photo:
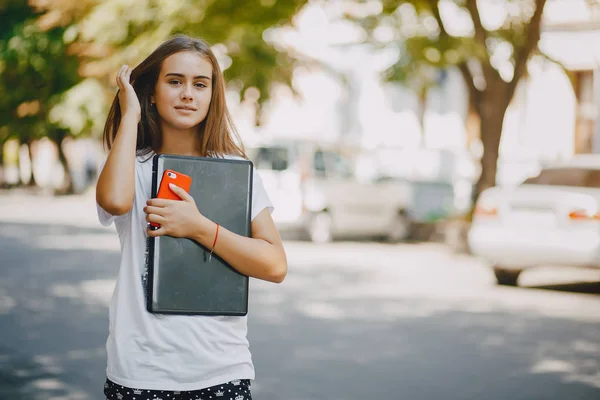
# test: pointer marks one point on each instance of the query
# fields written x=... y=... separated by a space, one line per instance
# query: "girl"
x=174 y=103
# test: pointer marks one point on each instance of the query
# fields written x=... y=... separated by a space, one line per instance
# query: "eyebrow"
x=183 y=76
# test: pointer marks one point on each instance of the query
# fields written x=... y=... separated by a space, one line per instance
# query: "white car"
x=550 y=219
x=316 y=191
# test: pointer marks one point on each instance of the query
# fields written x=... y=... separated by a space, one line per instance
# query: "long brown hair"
x=217 y=130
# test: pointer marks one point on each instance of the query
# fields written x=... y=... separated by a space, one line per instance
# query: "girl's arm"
x=116 y=184
x=261 y=256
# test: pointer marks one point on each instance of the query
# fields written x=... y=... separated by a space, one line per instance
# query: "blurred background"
x=435 y=171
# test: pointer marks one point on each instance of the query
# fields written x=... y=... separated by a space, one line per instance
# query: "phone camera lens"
x=170 y=175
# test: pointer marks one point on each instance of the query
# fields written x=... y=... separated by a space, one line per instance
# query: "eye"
x=174 y=82
x=200 y=85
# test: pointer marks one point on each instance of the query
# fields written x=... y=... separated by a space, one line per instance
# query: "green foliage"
x=81 y=110
x=57 y=57
x=113 y=32
x=430 y=35
x=35 y=70
x=425 y=41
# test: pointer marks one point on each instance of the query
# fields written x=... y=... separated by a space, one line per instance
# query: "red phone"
x=176 y=178
x=164 y=192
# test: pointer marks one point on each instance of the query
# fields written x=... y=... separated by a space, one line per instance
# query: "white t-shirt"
x=168 y=352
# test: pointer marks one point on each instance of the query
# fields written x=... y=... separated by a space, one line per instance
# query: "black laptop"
x=182 y=277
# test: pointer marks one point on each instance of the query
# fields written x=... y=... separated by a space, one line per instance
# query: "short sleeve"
x=104 y=216
x=260 y=198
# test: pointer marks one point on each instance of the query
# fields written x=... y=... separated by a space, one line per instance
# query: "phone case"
x=178 y=179
x=170 y=176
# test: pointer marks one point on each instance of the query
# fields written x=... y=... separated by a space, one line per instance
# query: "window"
x=340 y=166
x=579 y=177
x=271 y=158
x=319 y=164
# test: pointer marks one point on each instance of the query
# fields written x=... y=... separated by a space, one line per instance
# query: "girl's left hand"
x=177 y=218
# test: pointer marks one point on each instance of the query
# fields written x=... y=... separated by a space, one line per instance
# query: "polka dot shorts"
x=234 y=390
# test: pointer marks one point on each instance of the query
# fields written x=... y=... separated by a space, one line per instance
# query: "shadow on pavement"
x=576 y=287
x=53 y=311
x=333 y=345
x=326 y=333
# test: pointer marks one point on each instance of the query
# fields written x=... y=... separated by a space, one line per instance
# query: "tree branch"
x=481 y=34
x=434 y=5
x=531 y=41
x=468 y=77
x=464 y=69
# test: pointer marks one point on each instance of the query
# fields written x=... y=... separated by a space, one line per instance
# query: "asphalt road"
x=353 y=320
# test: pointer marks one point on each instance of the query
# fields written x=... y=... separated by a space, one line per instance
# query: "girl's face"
x=183 y=90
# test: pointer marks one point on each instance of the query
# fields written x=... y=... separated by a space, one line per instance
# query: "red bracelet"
x=216 y=236
x=214 y=243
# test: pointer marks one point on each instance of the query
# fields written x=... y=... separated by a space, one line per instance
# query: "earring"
x=152 y=104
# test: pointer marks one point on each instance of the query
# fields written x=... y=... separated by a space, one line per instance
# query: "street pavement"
x=353 y=320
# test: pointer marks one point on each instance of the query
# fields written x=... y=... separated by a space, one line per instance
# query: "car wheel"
x=399 y=230
x=506 y=277
x=319 y=229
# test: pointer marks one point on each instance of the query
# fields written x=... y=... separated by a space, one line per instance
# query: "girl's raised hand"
x=130 y=104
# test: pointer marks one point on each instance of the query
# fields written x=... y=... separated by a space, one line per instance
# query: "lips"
x=187 y=108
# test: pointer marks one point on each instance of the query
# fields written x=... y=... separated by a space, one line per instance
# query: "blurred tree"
x=113 y=32
x=35 y=71
x=47 y=47
x=435 y=34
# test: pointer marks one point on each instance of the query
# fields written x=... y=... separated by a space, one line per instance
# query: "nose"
x=187 y=93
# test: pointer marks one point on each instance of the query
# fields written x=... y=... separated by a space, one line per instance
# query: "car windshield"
x=567 y=176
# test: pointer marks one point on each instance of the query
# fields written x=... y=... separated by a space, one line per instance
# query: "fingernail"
x=171 y=185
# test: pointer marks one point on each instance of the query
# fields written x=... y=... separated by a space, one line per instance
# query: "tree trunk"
x=473 y=122
x=32 y=181
x=422 y=97
x=2 y=182
x=19 y=182
x=68 y=184
x=493 y=109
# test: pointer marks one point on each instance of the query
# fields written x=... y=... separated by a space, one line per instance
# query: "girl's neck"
x=183 y=143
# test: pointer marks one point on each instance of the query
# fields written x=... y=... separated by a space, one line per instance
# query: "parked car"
x=550 y=219
x=441 y=180
x=315 y=191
